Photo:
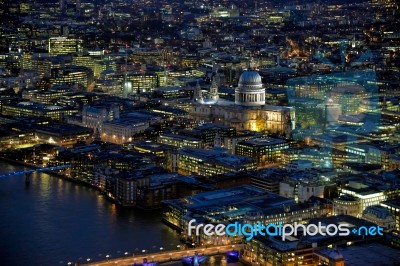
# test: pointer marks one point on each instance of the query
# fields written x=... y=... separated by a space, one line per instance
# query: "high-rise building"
x=73 y=75
x=63 y=45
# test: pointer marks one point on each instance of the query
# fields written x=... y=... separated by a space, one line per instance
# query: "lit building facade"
x=64 y=45
x=381 y=216
x=73 y=75
x=274 y=251
x=121 y=130
x=219 y=206
x=63 y=135
x=35 y=109
x=249 y=111
x=346 y=205
x=364 y=197
x=263 y=150
x=287 y=214
x=94 y=116
x=211 y=162
x=394 y=208
x=125 y=191
x=180 y=141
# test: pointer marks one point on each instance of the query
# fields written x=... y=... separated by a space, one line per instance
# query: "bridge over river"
x=173 y=255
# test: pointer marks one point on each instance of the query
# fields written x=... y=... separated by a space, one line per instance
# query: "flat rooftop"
x=264 y=141
x=181 y=137
x=225 y=196
x=217 y=157
x=370 y=254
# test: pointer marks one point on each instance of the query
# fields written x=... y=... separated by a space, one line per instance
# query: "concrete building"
x=303 y=184
x=346 y=205
x=220 y=206
x=381 y=216
x=193 y=161
x=263 y=150
x=363 y=195
x=394 y=208
x=95 y=116
x=180 y=141
x=36 y=109
x=122 y=130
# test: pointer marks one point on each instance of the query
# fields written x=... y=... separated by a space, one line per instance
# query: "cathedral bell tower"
x=214 y=88
x=198 y=94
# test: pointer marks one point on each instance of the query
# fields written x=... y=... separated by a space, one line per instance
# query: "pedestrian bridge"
x=30 y=171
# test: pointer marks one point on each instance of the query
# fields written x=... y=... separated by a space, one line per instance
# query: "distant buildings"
x=216 y=112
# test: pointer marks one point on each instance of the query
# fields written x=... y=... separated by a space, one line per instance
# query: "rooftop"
x=217 y=157
x=370 y=254
x=264 y=141
x=181 y=137
x=245 y=198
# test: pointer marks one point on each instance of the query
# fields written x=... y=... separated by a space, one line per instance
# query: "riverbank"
x=54 y=220
x=59 y=175
x=75 y=181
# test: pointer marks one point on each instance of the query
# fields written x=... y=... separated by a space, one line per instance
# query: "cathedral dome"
x=250 y=91
x=250 y=78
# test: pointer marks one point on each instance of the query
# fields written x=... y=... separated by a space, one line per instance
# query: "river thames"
x=53 y=221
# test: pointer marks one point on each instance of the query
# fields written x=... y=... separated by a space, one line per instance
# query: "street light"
x=88 y=259
x=126 y=253
x=161 y=249
x=107 y=256
x=69 y=263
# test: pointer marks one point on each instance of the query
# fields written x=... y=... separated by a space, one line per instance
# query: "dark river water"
x=53 y=222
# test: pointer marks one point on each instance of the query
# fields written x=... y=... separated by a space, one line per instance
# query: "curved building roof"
x=250 y=78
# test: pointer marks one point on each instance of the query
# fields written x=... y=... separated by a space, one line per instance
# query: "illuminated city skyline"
x=174 y=115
